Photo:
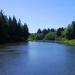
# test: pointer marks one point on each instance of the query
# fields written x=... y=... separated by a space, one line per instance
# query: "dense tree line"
x=12 y=30
x=55 y=34
x=45 y=34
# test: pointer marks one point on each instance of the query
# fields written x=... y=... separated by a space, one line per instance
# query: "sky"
x=40 y=13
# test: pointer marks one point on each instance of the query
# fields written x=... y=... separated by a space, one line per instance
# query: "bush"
x=50 y=36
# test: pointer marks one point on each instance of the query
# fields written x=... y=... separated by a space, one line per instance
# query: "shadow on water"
x=37 y=58
x=11 y=57
x=10 y=47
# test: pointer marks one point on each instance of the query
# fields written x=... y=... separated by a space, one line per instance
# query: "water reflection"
x=37 y=58
x=12 y=58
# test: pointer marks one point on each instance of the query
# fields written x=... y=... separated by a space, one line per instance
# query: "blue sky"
x=40 y=13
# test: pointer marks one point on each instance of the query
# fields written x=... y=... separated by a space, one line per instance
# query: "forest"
x=61 y=35
x=12 y=30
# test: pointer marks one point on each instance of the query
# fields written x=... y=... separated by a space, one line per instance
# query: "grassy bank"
x=67 y=42
x=61 y=41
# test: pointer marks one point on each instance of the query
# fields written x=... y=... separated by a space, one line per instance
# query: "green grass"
x=67 y=42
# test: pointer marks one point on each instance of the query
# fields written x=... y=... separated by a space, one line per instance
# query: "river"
x=37 y=58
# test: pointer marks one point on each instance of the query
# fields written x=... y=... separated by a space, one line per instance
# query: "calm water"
x=37 y=58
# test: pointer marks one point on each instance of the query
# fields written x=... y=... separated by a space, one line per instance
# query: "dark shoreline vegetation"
x=13 y=31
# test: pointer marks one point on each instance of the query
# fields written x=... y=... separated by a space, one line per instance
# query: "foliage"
x=59 y=34
x=39 y=31
x=68 y=42
x=38 y=36
x=50 y=36
x=11 y=30
x=70 y=32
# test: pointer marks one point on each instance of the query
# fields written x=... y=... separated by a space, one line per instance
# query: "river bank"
x=67 y=42
x=61 y=41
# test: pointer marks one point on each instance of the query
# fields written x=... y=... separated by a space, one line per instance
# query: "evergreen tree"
x=11 y=31
x=3 y=27
x=59 y=32
x=52 y=30
x=25 y=31
x=45 y=31
x=39 y=31
x=19 y=30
